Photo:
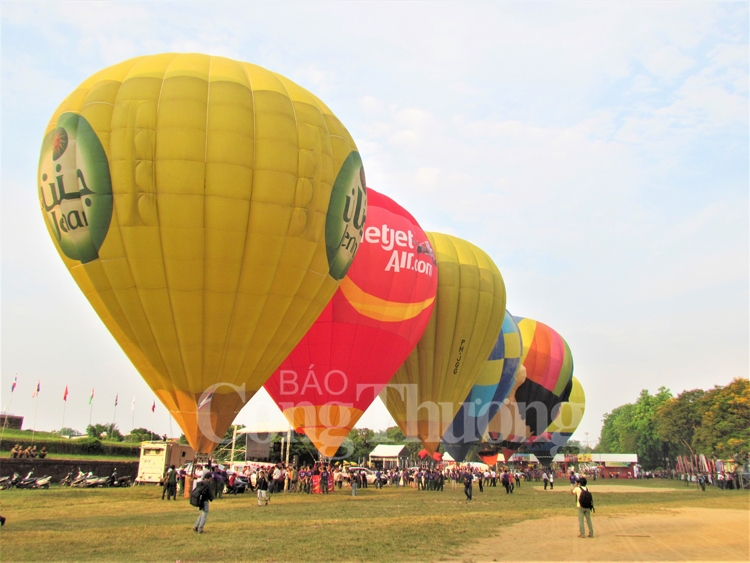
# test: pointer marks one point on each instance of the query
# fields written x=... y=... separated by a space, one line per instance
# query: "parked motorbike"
x=111 y=481
x=31 y=482
x=82 y=479
x=43 y=482
x=8 y=482
x=68 y=479
x=27 y=482
x=95 y=481
x=115 y=481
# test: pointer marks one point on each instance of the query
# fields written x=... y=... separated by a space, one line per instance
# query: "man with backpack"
x=201 y=496
x=585 y=505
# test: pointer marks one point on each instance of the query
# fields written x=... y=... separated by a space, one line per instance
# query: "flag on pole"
x=116 y=397
x=132 y=405
x=15 y=383
x=207 y=400
x=36 y=391
x=153 y=407
x=65 y=394
x=92 y=397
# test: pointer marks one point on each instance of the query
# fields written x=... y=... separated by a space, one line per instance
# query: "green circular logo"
x=75 y=189
x=347 y=211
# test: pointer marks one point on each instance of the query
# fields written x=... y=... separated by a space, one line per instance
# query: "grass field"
x=379 y=525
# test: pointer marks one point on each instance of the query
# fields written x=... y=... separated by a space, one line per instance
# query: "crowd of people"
x=18 y=451
x=279 y=477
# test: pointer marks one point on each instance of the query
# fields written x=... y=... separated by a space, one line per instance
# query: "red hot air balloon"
x=365 y=333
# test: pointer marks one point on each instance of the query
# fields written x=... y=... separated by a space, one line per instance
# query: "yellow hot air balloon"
x=208 y=209
x=426 y=392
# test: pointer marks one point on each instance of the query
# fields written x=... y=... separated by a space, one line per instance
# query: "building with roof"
x=389 y=456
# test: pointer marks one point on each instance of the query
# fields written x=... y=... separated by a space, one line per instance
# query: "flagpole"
x=132 y=419
x=91 y=406
x=36 y=404
x=114 y=416
x=65 y=404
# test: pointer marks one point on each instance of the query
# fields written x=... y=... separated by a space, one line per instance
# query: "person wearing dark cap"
x=201 y=497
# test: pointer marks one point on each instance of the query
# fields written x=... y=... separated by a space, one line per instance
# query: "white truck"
x=157 y=456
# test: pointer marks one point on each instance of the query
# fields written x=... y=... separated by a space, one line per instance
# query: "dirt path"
x=686 y=534
x=565 y=488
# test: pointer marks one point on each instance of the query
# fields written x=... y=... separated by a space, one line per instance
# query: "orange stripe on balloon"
x=380 y=309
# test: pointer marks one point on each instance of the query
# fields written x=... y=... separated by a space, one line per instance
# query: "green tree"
x=66 y=431
x=617 y=434
x=396 y=436
x=574 y=447
x=632 y=428
x=104 y=431
x=725 y=427
x=142 y=435
x=357 y=445
x=678 y=419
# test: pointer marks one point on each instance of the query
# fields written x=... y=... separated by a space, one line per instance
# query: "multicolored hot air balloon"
x=208 y=209
x=492 y=388
x=365 y=333
x=548 y=366
x=569 y=416
x=427 y=390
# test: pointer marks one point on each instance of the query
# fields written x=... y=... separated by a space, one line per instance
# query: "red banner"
x=316 y=485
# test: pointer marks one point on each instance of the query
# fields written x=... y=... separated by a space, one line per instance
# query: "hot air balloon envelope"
x=365 y=333
x=426 y=392
x=208 y=209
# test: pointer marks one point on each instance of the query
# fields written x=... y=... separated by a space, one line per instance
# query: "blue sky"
x=597 y=151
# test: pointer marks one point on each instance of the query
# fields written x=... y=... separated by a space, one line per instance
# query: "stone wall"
x=59 y=468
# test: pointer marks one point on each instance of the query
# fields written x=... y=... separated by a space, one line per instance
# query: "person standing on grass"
x=584 y=505
x=545 y=478
x=468 y=479
x=353 y=480
x=165 y=483
x=262 y=488
x=181 y=479
x=172 y=483
x=552 y=480
x=202 y=496
x=506 y=481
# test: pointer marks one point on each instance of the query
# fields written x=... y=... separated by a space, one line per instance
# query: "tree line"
x=660 y=427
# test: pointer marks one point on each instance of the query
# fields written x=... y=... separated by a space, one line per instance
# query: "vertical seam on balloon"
x=468 y=364
x=274 y=358
x=284 y=242
x=161 y=248
x=125 y=255
x=302 y=315
x=205 y=203
x=263 y=362
x=228 y=337
x=314 y=301
x=166 y=366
